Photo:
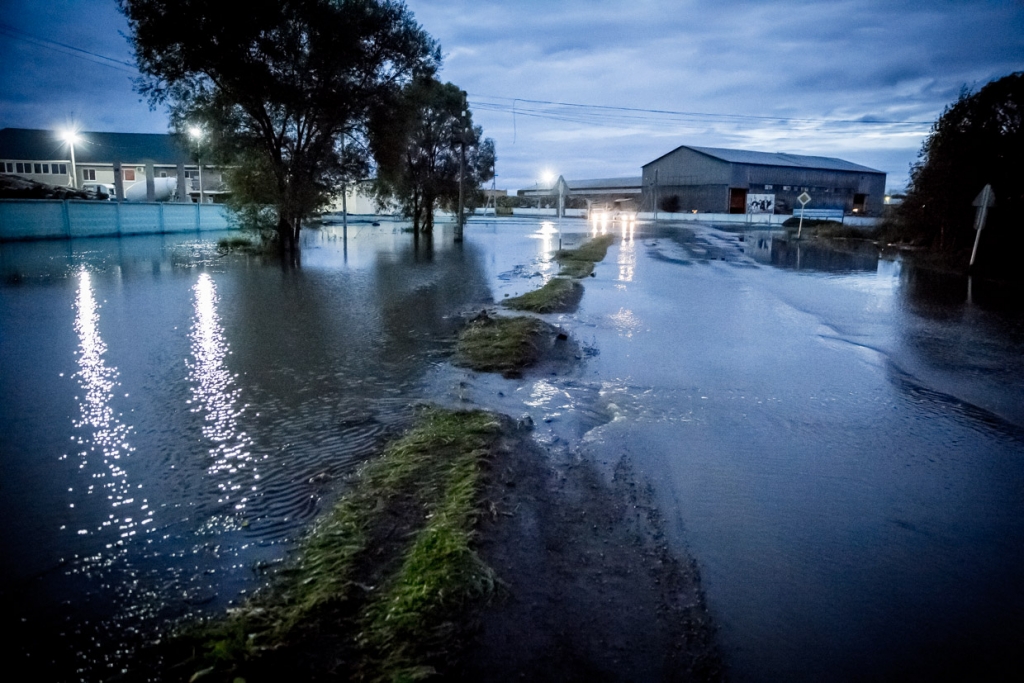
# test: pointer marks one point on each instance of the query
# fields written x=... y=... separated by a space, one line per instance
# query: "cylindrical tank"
x=163 y=190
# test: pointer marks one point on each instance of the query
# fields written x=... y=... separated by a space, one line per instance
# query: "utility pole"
x=462 y=169
x=655 y=195
x=344 y=193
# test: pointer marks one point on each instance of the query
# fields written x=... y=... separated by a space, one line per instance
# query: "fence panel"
x=92 y=218
x=138 y=218
x=25 y=219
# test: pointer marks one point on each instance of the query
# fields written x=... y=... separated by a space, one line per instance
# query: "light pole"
x=71 y=137
x=463 y=124
x=196 y=133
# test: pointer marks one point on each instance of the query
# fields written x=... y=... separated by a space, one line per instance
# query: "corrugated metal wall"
x=702 y=183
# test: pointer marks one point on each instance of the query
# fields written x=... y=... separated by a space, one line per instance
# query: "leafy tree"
x=978 y=140
x=420 y=168
x=286 y=87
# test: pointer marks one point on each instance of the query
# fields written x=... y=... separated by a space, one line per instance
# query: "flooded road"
x=837 y=440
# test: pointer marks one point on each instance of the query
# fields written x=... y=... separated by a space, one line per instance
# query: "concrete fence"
x=40 y=219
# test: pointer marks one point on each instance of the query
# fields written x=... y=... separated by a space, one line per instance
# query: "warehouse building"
x=714 y=180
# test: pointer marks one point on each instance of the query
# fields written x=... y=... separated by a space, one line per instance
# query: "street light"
x=196 y=133
x=71 y=137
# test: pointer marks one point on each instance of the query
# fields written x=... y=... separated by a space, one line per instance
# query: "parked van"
x=101 y=190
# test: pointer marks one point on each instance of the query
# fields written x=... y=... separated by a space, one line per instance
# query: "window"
x=163 y=174
x=129 y=174
x=46 y=169
x=787 y=188
x=9 y=167
x=89 y=174
x=38 y=168
x=63 y=169
x=21 y=167
x=769 y=187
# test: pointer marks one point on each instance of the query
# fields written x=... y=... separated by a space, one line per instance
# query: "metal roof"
x=742 y=156
x=93 y=147
x=592 y=184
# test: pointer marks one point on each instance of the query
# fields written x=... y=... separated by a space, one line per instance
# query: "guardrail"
x=40 y=219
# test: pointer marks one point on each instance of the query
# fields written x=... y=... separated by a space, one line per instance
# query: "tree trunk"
x=428 y=214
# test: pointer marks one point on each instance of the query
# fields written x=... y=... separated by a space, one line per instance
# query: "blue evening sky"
x=792 y=76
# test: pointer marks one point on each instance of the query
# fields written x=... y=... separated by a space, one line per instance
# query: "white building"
x=45 y=156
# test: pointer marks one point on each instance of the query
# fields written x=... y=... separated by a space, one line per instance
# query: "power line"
x=604 y=114
x=64 y=48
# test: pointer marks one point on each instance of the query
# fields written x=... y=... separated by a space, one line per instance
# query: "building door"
x=737 y=200
x=858 y=202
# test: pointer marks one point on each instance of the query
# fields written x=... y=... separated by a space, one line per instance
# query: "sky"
x=597 y=88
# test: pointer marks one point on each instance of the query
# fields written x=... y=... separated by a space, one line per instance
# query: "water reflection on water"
x=216 y=405
x=103 y=436
x=836 y=437
x=233 y=467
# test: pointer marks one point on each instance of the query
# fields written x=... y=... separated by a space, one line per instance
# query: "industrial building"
x=98 y=159
x=609 y=193
x=713 y=180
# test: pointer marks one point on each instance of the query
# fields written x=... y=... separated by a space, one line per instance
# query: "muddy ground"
x=591 y=592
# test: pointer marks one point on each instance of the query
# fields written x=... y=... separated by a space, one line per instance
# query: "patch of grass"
x=379 y=580
x=439 y=575
x=505 y=345
x=558 y=295
x=246 y=245
x=839 y=231
x=579 y=263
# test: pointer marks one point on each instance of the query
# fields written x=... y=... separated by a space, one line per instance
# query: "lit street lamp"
x=71 y=137
x=196 y=133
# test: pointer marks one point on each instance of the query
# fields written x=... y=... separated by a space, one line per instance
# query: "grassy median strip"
x=499 y=344
x=380 y=580
x=563 y=293
x=579 y=263
x=558 y=295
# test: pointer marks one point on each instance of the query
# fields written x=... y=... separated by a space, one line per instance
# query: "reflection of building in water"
x=776 y=248
x=215 y=396
x=106 y=447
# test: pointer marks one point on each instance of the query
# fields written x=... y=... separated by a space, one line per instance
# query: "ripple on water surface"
x=216 y=406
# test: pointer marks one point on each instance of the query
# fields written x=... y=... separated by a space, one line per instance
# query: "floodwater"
x=837 y=440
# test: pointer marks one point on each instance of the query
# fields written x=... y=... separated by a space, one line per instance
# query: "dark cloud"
x=866 y=60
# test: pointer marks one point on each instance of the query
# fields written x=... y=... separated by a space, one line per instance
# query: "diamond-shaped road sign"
x=985 y=198
x=803 y=199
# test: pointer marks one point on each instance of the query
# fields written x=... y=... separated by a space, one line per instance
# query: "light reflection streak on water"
x=215 y=395
x=627 y=251
x=109 y=438
x=547 y=233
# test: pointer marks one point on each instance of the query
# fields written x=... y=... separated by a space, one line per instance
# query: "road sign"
x=985 y=198
x=803 y=199
x=983 y=201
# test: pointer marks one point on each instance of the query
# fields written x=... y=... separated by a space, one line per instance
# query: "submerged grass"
x=378 y=581
x=562 y=294
x=558 y=295
x=505 y=345
x=246 y=245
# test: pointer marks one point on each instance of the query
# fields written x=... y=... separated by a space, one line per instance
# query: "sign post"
x=984 y=200
x=803 y=199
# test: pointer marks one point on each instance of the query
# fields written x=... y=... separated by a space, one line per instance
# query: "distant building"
x=611 y=193
x=44 y=156
x=713 y=180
